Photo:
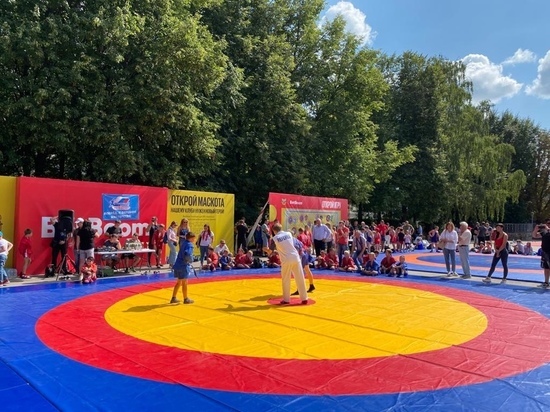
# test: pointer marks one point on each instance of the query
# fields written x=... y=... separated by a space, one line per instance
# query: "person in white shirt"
x=450 y=238
x=291 y=264
x=464 y=239
x=221 y=247
x=5 y=247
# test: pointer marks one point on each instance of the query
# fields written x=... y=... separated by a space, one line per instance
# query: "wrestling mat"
x=360 y=344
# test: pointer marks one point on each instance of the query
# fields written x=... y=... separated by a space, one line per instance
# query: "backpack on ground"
x=257 y=263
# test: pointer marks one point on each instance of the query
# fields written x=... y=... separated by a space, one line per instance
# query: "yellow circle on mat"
x=350 y=320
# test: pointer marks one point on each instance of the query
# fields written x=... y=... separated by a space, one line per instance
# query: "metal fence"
x=519 y=230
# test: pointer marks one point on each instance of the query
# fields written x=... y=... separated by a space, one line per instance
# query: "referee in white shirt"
x=291 y=264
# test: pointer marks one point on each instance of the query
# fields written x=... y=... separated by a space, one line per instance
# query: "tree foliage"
x=253 y=96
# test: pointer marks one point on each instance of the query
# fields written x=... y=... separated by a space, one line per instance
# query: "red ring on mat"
x=498 y=352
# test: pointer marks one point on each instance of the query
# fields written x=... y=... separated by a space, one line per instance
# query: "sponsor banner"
x=40 y=199
x=214 y=209
x=119 y=207
x=7 y=214
x=295 y=211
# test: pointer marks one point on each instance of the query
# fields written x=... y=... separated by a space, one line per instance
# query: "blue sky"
x=505 y=44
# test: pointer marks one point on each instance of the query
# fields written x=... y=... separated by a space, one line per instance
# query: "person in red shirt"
x=274 y=260
x=321 y=260
x=158 y=243
x=342 y=239
x=304 y=238
x=25 y=250
x=387 y=266
x=382 y=229
x=331 y=259
x=348 y=265
x=243 y=260
x=212 y=260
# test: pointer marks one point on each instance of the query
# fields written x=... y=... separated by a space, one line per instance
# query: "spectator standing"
x=342 y=239
x=84 y=242
x=206 y=239
x=172 y=238
x=481 y=232
x=5 y=247
x=450 y=238
x=152 y=227
x=158 y=244
x=464 y=239
x=501 y=253
x=78 y=223
x=25 y=250
x=542 y=232
x=320 y=233
x=359 y=247
x=115 y=229
x=183 y=230
x=241 y=229
x=59 y=242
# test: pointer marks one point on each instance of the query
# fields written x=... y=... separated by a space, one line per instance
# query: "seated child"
x=321 y=261
x=331 y=259
x=89 y=270
x=387 y=266
x=212 y=260
x=226 y=261
x=370 y=265
x=348 y=265
x=528 y=250
x=487 y=249
x=274 y=260
x=401 y=267
x=245 y=260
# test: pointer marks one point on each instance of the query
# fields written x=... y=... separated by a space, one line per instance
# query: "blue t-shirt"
x=185 y=256
x=372 y=266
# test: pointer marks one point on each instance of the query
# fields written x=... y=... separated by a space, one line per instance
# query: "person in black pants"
x=242 y=230
x=59 y=242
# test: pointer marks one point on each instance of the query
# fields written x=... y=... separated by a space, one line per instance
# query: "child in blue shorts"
x=401 y=267
x=182 y=268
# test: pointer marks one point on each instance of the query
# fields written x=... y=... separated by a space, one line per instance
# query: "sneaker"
x=450 y=274
x=311 y=288
x=455 y=274
x=22 y=276
x=295 y=293
x=304 y=302
x=503 y=282
x=466 y=276
x=487 y=280
x=284 y=302
x=174 y=300
x=188 y=301
x=544 y=285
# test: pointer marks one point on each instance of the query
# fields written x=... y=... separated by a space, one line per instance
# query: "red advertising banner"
x=40 y=199
x=295 y=211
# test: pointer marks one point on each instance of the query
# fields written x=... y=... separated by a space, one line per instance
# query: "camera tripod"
x=61 y=269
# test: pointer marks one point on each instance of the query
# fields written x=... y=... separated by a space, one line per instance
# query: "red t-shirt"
x=276 y=259
x=342 y=235
x=214 y=258
x=331 y=260
x=388 y=262
x=347 y=262
x=25 y=247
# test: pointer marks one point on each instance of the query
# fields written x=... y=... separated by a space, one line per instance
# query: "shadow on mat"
x=146 y=308
x=262 y=298
x=233 y=309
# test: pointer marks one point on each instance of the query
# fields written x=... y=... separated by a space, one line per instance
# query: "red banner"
x=40 y=199
x=295 y=211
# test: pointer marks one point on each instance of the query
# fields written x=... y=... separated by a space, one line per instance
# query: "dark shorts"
x=545 y=261
x=181 y=273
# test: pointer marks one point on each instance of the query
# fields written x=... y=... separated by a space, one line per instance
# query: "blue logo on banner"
x=121 y=207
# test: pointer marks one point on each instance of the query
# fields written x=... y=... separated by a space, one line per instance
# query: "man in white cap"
x=78 y=223
x=291 y=264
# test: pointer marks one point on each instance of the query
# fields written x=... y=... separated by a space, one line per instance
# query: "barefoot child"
x=182 y=268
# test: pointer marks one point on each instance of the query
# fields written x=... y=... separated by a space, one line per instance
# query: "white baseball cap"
x=79 y=220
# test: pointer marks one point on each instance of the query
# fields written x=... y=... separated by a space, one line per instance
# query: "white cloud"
x=521 y=56
x=541 y=85
x=355 y=20
x=488 y=79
